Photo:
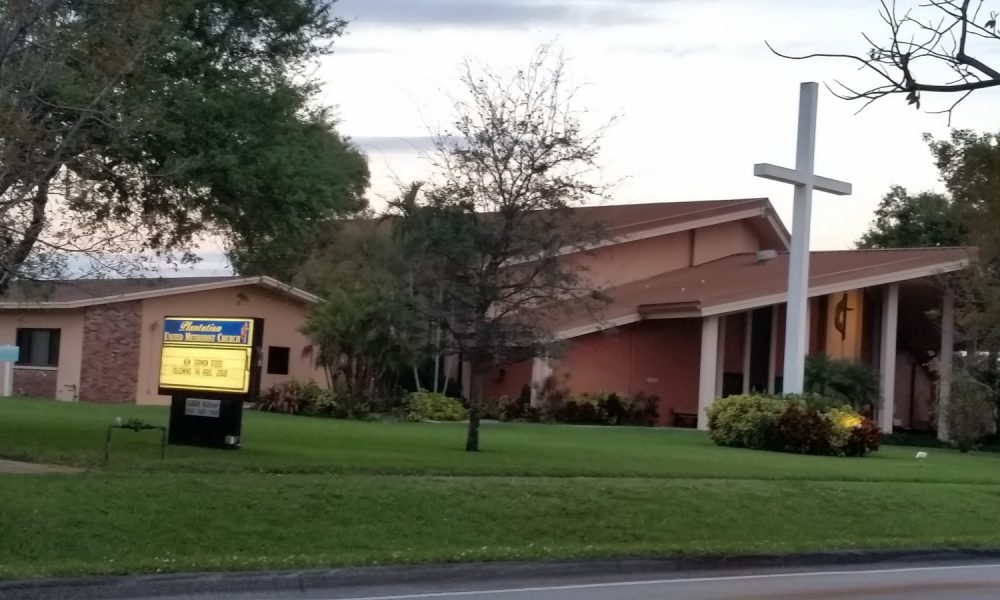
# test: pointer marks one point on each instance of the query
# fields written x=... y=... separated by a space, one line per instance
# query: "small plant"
x=290 y=397
x=429 y=406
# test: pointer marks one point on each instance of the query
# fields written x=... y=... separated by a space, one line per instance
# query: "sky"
x=697 y=95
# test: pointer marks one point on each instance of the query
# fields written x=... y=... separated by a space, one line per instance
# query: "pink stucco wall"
x=657 y=357
x=718 y=241
x=507 y=381
x=632 y=261
x=735 y=339
x=913 y=384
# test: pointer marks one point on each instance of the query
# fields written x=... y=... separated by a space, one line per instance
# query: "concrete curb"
x=196 y=584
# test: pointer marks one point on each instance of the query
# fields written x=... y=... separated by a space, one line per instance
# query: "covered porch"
x=903 y=331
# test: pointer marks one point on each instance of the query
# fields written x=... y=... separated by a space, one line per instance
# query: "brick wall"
x=35 y=383
x=110 y=368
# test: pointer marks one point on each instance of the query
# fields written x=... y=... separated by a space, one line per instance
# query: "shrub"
x=289 y=397
x=844 y=381
x=865 y=438
x=493 y=408
x=969 y=412
x=803 y=425
x=804 y=430
x=643 y=410
x=428 y=406
x=745 y=421
x=338 y=405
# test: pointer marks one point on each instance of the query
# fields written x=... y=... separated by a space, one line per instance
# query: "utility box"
x=209 y=366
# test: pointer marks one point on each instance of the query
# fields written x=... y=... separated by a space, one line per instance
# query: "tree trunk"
x=416 y=378
x=475 y=401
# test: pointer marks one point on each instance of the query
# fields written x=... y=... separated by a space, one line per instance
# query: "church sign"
x=206 y=354
x=209 y=366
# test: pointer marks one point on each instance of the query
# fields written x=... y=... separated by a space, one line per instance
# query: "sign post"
x=8 y=356
x=209 y=367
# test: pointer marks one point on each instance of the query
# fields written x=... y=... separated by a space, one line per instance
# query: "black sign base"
x=205 y=422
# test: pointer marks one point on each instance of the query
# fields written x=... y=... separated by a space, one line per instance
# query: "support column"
x=887 y=360
x=720 y=365
x=772 y=357
x=541 y=369
x=707 y=367
x=747 y=345
x=945 y=362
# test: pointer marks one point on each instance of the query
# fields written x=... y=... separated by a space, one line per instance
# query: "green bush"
x=338 y=405
x=595 y=409
x=798 y=424
x=745 y=421
x=428 y=406
x=846 y=382
x=290 y=397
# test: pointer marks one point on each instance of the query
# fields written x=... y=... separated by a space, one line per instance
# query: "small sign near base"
x=206 y=422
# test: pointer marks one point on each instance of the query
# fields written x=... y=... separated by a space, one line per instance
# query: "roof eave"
x=264 y=281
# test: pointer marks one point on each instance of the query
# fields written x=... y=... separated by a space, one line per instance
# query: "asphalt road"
x=921 y=581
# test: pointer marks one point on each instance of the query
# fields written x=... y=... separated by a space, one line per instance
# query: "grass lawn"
x=311 y=492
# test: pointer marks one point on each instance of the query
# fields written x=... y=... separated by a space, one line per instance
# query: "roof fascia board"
x=725 y=217
x=744 y=305
x=597 y=326
x=187 y=289
x=843 y=286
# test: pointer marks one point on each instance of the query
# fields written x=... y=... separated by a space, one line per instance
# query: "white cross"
x=804 y=180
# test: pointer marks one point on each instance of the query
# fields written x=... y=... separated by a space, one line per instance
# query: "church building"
x=697 y=312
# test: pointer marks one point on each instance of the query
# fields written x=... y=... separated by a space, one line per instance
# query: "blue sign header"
x=208 y=332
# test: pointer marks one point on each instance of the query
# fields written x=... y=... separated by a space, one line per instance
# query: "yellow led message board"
x=212 y=355
x=209 y=369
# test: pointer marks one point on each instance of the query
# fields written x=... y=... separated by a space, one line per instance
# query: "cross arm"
x=823 y=184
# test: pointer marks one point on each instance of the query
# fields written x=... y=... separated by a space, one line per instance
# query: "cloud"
x=494 y=13
x=394 y=144
x=338 y=49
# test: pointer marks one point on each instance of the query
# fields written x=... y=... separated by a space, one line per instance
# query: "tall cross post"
x=805 y=181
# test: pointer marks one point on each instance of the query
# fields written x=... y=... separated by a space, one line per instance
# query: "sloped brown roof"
x=740 y=281
x=71 y=290
x=622 y=219
x=71 y=293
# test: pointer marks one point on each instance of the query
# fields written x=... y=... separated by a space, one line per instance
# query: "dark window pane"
x=38 y=347
x=277 y=360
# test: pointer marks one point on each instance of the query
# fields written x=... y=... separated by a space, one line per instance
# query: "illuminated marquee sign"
x=206 y=354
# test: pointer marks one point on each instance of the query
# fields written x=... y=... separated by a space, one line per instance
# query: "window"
x=277 y=360
x=38 y=347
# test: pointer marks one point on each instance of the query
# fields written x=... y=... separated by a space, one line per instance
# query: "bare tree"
x=935 y=46
x=488 y=244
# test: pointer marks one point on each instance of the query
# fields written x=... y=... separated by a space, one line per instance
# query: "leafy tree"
x=487 y=243
x=366 y=333
x=969 y=412
x=848 y=382
x=926 y=220
x=138 y=126
x=941 y=46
